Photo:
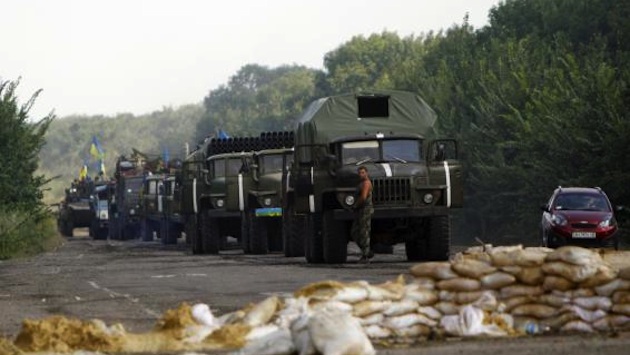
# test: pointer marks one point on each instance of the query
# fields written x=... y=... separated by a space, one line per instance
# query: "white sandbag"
x=621 y=297
x=519 y=257
x=553 y=282
x=531 y=276
x=351 y=293
x=376 y=318
x=424 y=297
x=447 y=308
x=202 y=314
x=497 y=280
x=624 y=273
x=407 y=320
x=580 y=292
x=262 y=312
x=593 y=303
x=612 y=322
x=472 y=268
x=510 y=303
x=301 y=336
x=366 y=308
x=261 y=331
x=381 y=293
x=421 y=283
x=446 y=296
x=604 y=274
x=571 y=272
x=468 y=297
x=414 y=331
x=438 y=270
x=575 y=255
x=278 y=342
x=338 y=333
x=470 y=321
x=623 y=309
x=511 y=269
x=375 y=331
x=342 y=306
x=554 y=300
x=535 y=310
x=584 y=314
x=400 y=307
x=520 y=290
x=577 y=326
x=430 y=312
x=487 y=301
x=615 y=285
x=459 y=284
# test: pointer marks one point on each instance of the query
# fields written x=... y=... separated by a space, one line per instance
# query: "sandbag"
x=366 y=308
x=376 y=318
x=621 y=297
x=603 y=275
x=338 y=333
x=535 y=310
x=575 y=255
x=496 y=280
x=593 y=303
x=577 y=326
x=571 y=272
x=438 y=270
x=472 y=268
x=429 y=312
x=407 y=320
x=623 y=309
x=559 y=283
x=459 y=284
x=424 y=297
x=520 y=290
x=611 y=287
x=400 y=307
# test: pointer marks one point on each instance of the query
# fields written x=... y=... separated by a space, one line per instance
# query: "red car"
x=579 y=216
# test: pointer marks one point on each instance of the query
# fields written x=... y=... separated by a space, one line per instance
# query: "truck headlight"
x=349 y=200
x=267 y=201
x=132 y=211
x=219 y=203
x=427 y=198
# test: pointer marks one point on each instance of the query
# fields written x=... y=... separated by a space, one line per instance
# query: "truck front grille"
x=392 y=191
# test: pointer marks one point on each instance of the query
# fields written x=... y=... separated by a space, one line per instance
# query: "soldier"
x=363 y=210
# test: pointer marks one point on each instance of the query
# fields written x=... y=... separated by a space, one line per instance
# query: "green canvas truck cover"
x=333 y=117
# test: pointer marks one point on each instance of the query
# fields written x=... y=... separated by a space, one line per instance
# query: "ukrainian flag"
x=83 y=173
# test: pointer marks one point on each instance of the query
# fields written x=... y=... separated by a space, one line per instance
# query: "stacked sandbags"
x=568 y=289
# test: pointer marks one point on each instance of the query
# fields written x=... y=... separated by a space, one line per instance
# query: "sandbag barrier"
x=484 y=291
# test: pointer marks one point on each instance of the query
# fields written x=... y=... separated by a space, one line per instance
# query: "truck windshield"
x=397 y=150
x=271 y=163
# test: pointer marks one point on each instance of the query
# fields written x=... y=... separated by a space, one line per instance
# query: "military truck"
x=74 y=209
x=99 y=208
x=416 y=176
x=160 y=214
x=218 y=180
x=125 y=205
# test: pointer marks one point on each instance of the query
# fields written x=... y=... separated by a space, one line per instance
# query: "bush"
x=25 y=234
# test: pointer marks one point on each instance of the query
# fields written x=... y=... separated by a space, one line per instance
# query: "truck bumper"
x=395 y=212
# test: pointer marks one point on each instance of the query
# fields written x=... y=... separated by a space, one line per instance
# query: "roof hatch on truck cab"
x=373 y=106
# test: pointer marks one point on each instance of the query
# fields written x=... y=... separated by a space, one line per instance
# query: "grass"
x=25 y=234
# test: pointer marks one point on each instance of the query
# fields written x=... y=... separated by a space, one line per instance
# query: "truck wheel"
x=168 y=232
x=259 y=235
x=335 y=241
x=439 y=242
x=313 y=244
x=416 y=243
x=192 y=233
x=146 y=230
x=274 y=234
x=293 y=229
x=210 y=235
x=245 y=236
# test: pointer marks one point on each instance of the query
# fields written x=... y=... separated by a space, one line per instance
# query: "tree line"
x=537 y=98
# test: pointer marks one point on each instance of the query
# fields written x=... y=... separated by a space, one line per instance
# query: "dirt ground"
x=134 y=283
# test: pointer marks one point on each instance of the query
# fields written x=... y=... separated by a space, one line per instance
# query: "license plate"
x=583 y=235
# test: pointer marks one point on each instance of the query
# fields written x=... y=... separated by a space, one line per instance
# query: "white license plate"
x=583 y=235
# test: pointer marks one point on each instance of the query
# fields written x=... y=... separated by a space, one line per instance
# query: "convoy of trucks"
x=294 y=191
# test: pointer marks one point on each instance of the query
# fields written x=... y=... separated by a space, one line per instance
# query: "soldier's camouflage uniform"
x=361 y=227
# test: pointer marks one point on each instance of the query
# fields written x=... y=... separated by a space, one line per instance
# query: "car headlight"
x=267 y=201
x=349 y=200
x=132 y=211
x=427 y=198
x=609 y=222
x=219 y=203
x=558 y=220
x=104 y=215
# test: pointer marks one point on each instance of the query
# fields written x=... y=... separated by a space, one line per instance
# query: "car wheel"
x=544 y=239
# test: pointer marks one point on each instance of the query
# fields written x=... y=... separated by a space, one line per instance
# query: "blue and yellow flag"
x=83 y=173
x=95 y=149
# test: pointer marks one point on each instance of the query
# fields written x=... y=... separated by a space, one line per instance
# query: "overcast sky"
x=108 y=57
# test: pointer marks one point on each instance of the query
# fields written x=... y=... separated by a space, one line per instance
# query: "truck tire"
x=293 y=229
x=146 y=230
x=258 y=234
x=192 y=233
x=245 y=236
x=334 y=239
x=274 y=234
x=439 y=242
x=210 y=235
x=416 y=243
x=168 y=232
x=313 y=244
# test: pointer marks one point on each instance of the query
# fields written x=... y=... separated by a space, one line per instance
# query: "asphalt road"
x=134 y=283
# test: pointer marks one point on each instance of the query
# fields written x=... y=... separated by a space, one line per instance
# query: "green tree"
x=20 y=143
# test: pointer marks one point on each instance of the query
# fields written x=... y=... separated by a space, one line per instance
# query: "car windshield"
x=398 y=150
x=581 y=202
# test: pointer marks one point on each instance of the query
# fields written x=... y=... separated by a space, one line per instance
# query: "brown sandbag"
x=459 y=284
x=575 y=255
x=557 y=283
x=497 y=280
x=471 y=268
x=438 y=270
x=571 y=272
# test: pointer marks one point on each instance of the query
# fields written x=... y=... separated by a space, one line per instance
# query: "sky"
x=134 y=56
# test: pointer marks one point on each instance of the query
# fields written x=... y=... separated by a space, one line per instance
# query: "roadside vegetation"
x=537 y=98
x=27 y=226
